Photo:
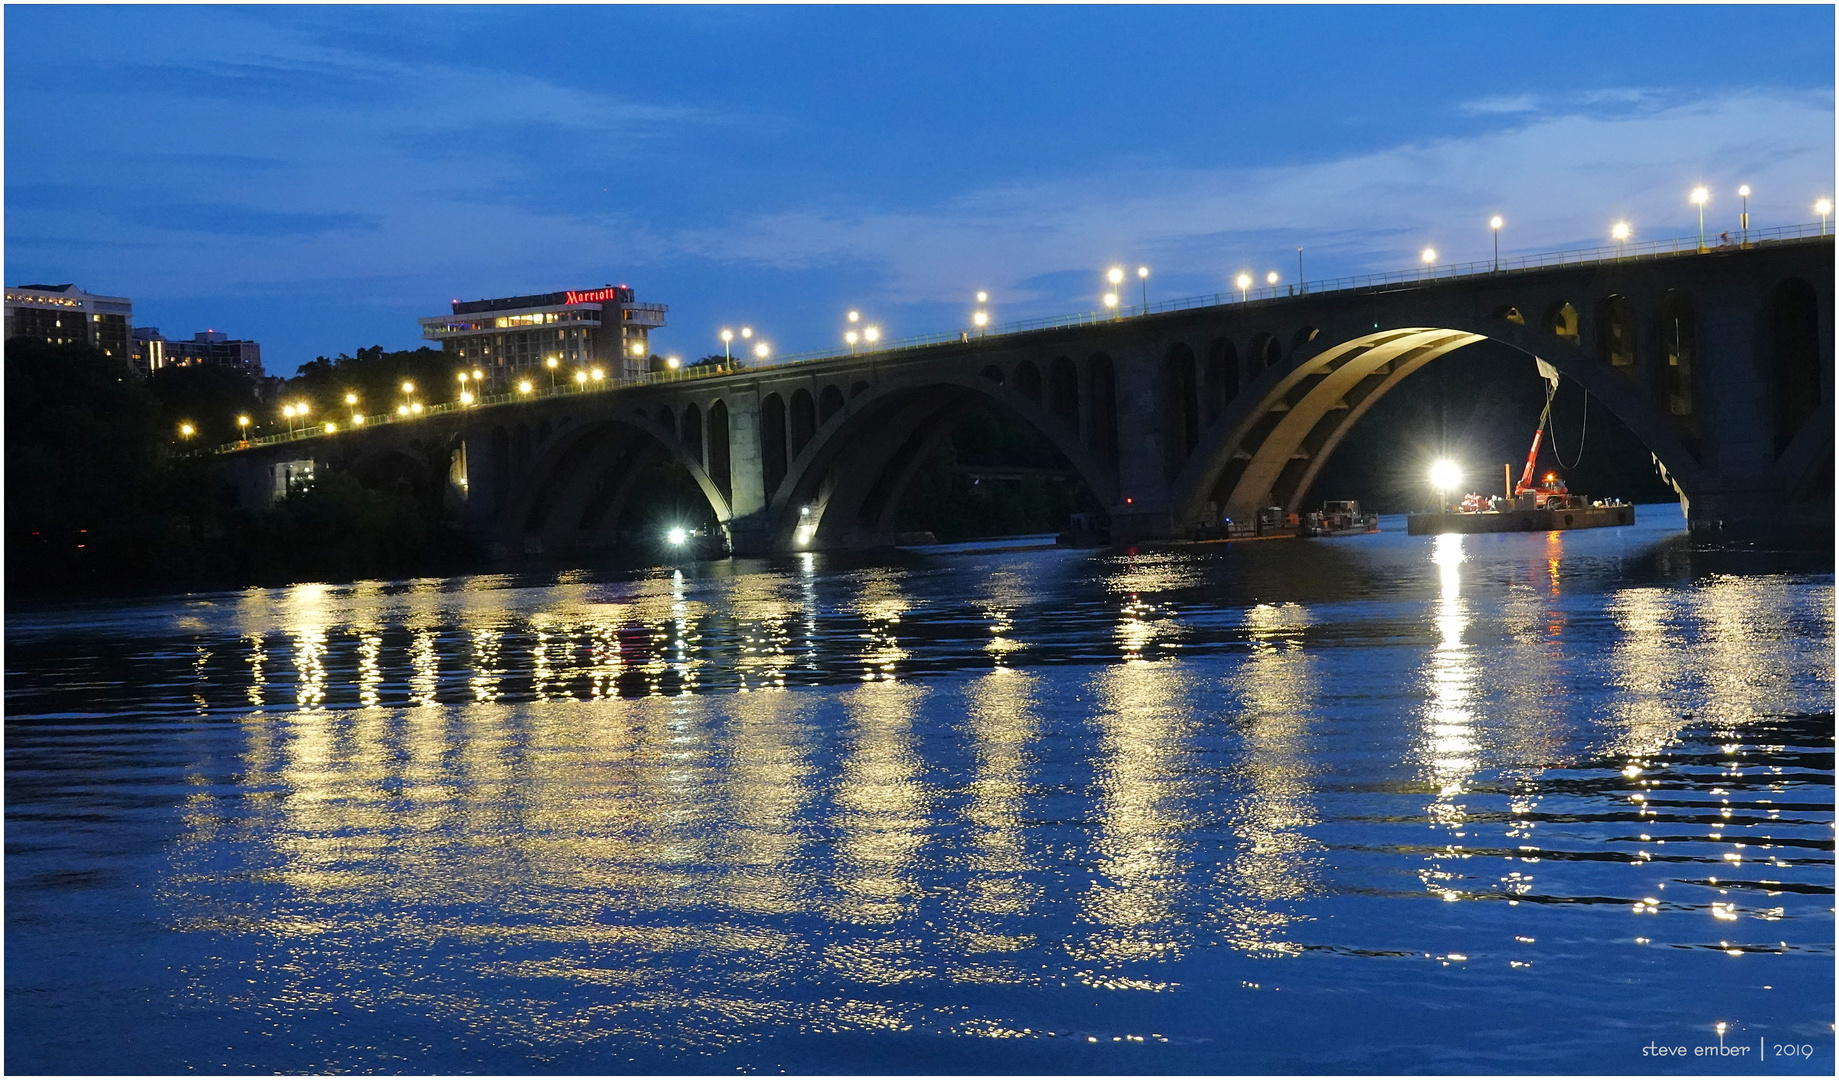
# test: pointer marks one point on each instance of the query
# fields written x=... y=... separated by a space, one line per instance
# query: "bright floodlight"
x=466 y=397
x=351 y=399
x=850 y=337
x=599 y=374
x=761 y=350
x=981 y=318
x=727 y=335
x=1495 y=222
x=1429 y=255
x=872 y=334
x=1744 y=191
x=1445 y=475
x=672 y=362
x=1823 y=207
x=638 y=348
x=1700 y=195
x=1115 y=275
x=242 y=421
x=187 y=430
x=1243 y=281
x=523 y=386
x=1620 y=232
x=1271 y=278
x=676 y=536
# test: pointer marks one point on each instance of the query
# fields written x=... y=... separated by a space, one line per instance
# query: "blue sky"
x=317 y=179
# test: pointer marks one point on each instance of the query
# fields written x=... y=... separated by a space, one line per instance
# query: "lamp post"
x=1445 y=476
x=1743 y=219
x=242 y=428
x=1115 y=276
x=1244 y=282
x=871 y=334
x=1495 y=223
x=1272 y=279
x=1429 y=255
x=1619 y=232
x=1143 y=276
x=552 y=364
x=852 y=337
x=982 y=317
x=1701 y=195
x=727 y=357
x=1823 y=208
x=761 y=350
x=186 y=429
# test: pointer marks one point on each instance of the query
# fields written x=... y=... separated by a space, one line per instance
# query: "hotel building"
x=517 y=336
x=66 y=315
x=153 y=352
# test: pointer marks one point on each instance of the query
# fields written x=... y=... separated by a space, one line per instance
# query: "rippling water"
x=1516 y=803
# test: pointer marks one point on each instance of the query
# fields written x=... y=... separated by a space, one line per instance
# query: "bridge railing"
x=1630 y=251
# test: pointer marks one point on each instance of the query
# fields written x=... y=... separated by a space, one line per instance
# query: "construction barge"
x=1529 y=506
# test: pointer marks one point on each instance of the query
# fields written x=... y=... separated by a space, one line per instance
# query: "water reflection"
x=1141 y=863
x=1003 y=727
x=1273 y=806
x=1449 y=744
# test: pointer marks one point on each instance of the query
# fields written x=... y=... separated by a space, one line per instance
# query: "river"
x=1528 y=803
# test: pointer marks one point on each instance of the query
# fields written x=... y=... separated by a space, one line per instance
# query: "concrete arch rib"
x=860 y=461
x=550 y=493
x=1287 y=439
x=1293 y=424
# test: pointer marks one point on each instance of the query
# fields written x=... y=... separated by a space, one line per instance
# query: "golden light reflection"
x=1003 y=724
x=257 y=656
x=765 y=781
x=763 y=610
x=881 y=603
x=1274 y=808
x=1448 y=746
x=305 y=615
x=882 y=820
x=1136 y=901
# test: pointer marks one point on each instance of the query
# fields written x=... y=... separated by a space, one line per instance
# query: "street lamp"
x=1495 y=223
x=466 y=397
x=1111 y=300
x=672 y=363
x=1115 y=276
x=598 y=374
x=728 y=336
x=1701 y=195
x=351 y=399
x=186 y=430
x=1143 y=277
x=242 y=427
x=524 y=387
x=851 y=338
x=1743 y=220
x=871 y=334
x=760 y=350
x=1823 y=208
x=408 y=388
x=331 y=428
x=1429 y=255
x=1619 y=233
x=747 y=331
x=982 y=317
x=1271 y=279
x=581 y=379
x=1244 y=282
x=552 y=363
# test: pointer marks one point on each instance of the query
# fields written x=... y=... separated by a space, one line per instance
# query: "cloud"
x=1491 y=106
x=1558 y=179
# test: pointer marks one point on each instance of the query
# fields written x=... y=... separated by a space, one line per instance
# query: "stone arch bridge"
x=1721 y=362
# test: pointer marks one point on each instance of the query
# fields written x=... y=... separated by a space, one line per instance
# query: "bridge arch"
x=573 y=491
x=1268 y=448
x=842 y=490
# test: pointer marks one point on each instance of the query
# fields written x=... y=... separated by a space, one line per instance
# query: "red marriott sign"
x=597 y=296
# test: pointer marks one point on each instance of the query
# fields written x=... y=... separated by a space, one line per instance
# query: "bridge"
x=1720 y=361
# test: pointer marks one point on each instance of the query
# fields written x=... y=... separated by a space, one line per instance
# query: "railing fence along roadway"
x=1625 y=252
